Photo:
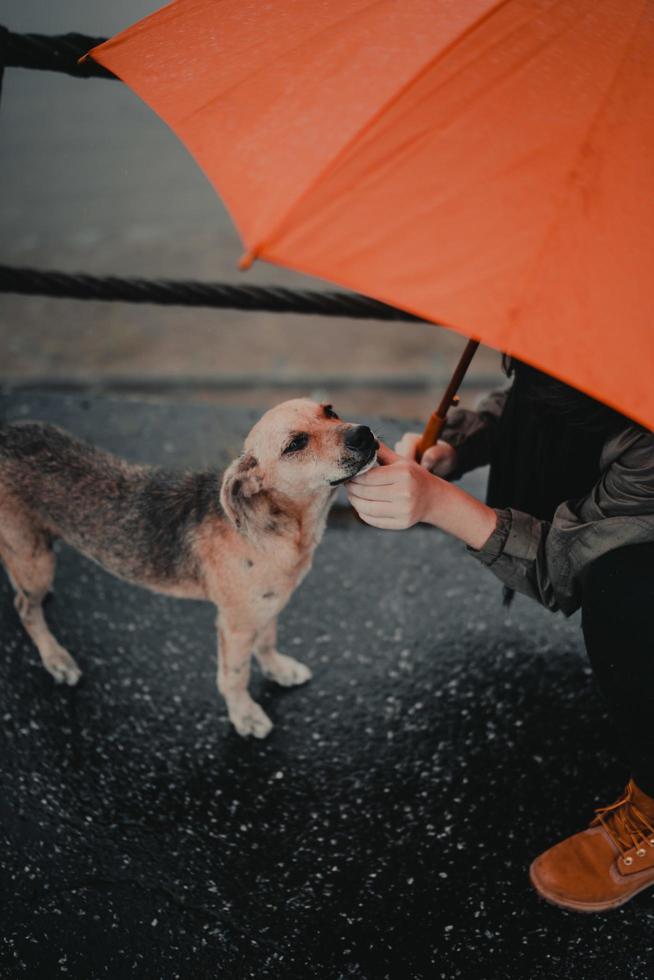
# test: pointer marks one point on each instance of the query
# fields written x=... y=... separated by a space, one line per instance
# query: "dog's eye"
x=297 y=443
x=329 y=412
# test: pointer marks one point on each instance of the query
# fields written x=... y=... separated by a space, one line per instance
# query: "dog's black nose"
x=359 y=437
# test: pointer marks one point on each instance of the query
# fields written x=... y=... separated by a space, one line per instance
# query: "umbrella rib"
x=257 y=249
x=530 y=273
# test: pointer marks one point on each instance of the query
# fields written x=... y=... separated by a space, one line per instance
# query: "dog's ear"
x=242 y=481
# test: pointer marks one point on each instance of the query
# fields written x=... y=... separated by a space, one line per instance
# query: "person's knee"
x=619 y=581
x=600 y=576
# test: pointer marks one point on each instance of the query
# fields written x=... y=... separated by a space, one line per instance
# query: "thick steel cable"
x=188 y=292
x=59 y=52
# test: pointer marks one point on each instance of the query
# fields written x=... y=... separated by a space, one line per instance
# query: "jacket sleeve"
x=517 y=554
x=546 y=560
x=472 y=433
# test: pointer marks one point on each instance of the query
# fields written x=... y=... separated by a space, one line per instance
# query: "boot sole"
x=573 y=906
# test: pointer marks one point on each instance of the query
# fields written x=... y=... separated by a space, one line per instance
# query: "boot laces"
x=626 y=824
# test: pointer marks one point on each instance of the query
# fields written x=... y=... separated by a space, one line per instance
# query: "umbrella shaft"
x=437 y=419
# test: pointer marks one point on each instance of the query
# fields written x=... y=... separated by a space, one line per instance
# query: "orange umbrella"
x=487 y=164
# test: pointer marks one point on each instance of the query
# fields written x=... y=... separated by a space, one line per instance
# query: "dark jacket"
x=545 y=559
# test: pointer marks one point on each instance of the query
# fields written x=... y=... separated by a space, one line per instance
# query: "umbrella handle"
x=431 y=434
x=437 y=419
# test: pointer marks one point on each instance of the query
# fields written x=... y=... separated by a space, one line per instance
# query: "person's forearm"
x=458 y=513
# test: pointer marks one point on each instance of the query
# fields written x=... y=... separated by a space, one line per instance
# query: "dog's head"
x=297 y=450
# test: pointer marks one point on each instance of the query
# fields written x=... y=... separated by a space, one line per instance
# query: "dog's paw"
x=62 y=667
x=286 y=671
x=248 y=718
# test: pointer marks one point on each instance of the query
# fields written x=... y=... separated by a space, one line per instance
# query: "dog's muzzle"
x=362 y=445
x=361 y=439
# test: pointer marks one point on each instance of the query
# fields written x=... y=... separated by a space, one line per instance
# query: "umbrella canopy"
x=487 y=164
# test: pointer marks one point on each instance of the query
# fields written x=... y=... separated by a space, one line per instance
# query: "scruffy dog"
x=243 y=540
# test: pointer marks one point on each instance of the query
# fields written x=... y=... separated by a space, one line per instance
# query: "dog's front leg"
x=277 y=666
x=234 y=656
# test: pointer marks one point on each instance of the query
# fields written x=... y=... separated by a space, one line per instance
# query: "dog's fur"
x=243 y=540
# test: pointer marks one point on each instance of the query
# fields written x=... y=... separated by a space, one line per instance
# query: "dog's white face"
x=302 y=447
x=299 y=449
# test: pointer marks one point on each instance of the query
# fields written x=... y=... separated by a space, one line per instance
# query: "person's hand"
x=395 y=495
x=439 y=459
x=400 y=493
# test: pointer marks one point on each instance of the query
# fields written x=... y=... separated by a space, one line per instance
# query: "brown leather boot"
x=607 y=864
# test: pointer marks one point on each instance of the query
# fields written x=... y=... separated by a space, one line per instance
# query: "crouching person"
x=569 y=522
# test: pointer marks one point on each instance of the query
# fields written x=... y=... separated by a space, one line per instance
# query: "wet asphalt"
x=383 y=830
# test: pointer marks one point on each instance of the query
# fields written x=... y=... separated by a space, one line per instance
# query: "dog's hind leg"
x=277 y=666
x=27 y=555
x=234 y=657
